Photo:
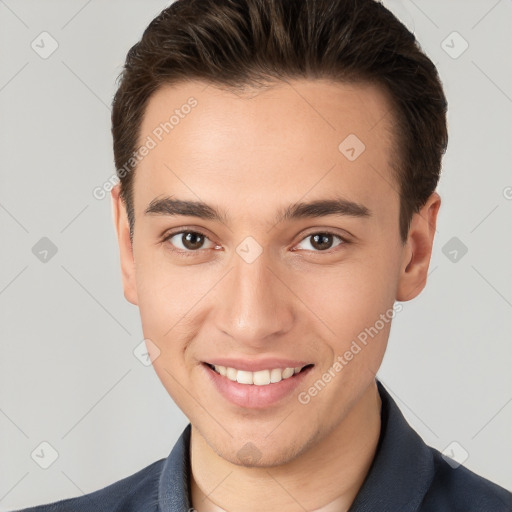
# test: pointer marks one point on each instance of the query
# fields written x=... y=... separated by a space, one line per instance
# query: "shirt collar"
x=174 y=485
x=400 y=474
x=402 y=469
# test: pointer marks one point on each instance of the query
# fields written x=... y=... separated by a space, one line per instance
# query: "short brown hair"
x=239 y=43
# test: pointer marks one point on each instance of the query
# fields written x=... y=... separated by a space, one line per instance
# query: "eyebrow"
x=318 y=208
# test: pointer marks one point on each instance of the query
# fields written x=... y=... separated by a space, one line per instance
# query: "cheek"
x=160 y=305
x=171 y=303
x=166 y=311
x=350 y=299
x=164 y=294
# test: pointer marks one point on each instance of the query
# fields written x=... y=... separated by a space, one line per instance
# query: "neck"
x=325 y=478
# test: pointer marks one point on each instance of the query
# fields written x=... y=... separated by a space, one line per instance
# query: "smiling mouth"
x=259 y=378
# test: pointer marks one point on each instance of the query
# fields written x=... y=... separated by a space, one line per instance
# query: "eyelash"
x=168 y=236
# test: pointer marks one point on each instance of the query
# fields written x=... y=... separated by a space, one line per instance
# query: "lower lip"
x=253 y=396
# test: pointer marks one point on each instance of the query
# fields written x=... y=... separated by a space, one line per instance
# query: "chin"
x=260 y=451
x=249 y=456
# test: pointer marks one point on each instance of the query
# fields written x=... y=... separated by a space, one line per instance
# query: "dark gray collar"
x=174 y=485
x=402 y=469
x=399 y=476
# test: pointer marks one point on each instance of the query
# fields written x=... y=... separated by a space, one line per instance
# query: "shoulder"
x=460 y=489
x=137 y=492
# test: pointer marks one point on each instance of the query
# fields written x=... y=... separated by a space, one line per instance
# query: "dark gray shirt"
x=406 y=475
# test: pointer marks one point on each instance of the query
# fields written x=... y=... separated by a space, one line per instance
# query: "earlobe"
x=122 y=227
x=418 y=250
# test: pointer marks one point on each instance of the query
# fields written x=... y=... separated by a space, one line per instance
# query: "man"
x=278 y=163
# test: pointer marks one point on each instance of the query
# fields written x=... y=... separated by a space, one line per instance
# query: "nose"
x=255 y=304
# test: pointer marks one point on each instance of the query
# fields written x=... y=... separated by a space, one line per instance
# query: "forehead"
x=303 y=137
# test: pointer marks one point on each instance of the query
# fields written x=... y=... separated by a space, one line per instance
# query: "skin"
x=250 y=155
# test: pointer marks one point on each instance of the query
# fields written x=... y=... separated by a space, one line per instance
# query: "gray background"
x=68 y=374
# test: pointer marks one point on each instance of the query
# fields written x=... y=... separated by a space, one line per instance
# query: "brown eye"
x=187 y=241
x=322 y=241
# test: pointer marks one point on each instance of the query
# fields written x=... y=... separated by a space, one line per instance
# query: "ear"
x=418 y=249
x=125 y=246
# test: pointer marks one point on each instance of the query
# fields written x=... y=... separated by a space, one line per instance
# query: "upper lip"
x=257 y=365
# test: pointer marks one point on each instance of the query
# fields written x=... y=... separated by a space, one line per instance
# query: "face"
x=249 y=278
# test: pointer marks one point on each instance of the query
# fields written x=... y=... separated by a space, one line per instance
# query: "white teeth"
x=244 y=377
x=221 y=370
x=231 y=374
x=288 y=372
x=276 y=375
x=259 y=378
